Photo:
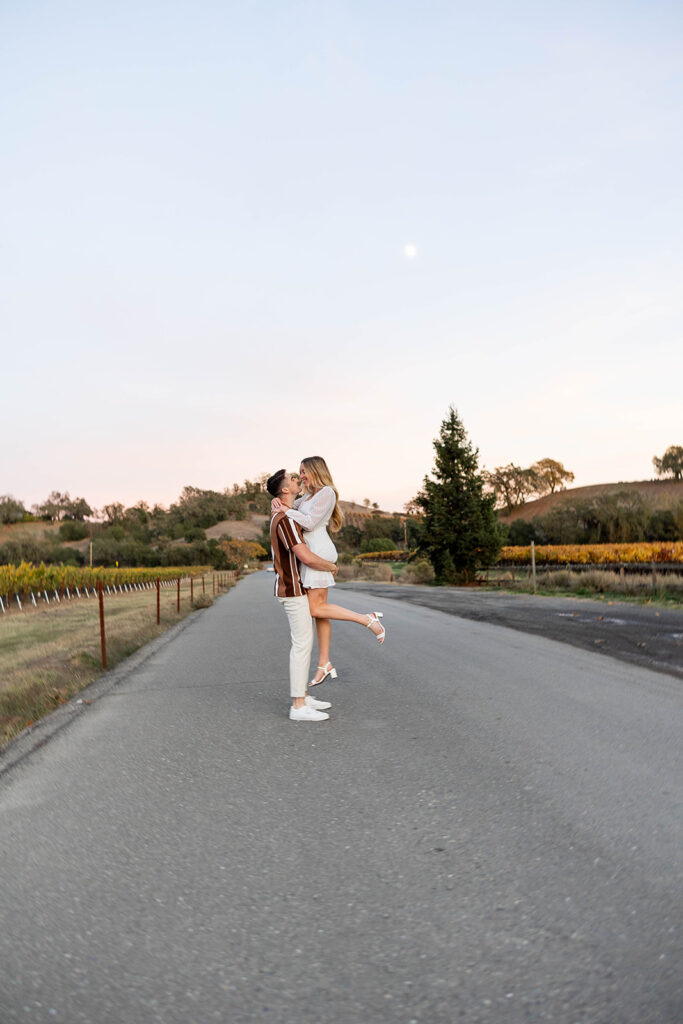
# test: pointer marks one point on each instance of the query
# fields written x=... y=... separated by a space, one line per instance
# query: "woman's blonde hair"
x=320 y=476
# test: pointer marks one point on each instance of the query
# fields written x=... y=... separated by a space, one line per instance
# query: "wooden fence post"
x=178 y=605
x=533 y=564
x=103 y=641
x=158 y=601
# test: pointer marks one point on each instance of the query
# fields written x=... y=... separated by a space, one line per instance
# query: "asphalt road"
x=488 y=829
x=650 y=635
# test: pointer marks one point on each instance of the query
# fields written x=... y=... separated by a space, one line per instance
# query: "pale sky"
x=234 y=234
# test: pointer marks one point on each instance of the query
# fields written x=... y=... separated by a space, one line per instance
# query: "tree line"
x=139 y=535
x=621 y=516
x=203 y=507
x=453 y=522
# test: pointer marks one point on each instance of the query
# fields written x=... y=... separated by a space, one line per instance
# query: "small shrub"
x=363 y=571
x=194 y=533
x=239 y=552
x=376 y=573
x=421 y=572
x=562 y=578
x=597 y=580
x=377 y=544
x=347 y=571
x=72 y=531
x=202 y=601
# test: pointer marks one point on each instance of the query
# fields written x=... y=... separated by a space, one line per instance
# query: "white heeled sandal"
x=327 y=670
x=375 y=617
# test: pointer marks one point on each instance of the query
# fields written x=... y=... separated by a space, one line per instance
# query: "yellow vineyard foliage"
x=240 y=551
x=595 y=554
x=385 y=556
x=26 y=578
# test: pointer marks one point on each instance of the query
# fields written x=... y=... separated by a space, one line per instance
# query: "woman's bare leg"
x=324 y=631
x=320 y=609
x=323 y=628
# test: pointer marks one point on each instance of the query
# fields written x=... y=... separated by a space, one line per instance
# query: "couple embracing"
x=304 y=559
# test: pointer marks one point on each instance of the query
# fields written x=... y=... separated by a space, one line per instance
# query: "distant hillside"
x=355 y=515
x=29 y=531
x=239 y=529
x=40 y=531
x=250 y=529
x=658 y=494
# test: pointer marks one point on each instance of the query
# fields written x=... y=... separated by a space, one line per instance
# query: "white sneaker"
x=307 y=714
x=321 y=705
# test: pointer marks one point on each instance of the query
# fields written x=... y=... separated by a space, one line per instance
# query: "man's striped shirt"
x=284 y=535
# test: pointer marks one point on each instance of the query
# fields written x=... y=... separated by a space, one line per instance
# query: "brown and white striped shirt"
x=284 y=535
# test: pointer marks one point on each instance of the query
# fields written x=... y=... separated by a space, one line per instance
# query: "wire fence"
x=212 y=583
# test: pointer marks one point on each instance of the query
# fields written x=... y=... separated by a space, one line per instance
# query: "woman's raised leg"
x=321 y=609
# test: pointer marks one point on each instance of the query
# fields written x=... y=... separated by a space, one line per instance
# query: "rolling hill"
x=658 y=494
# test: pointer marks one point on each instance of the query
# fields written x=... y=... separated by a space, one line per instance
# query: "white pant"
x=301 y=632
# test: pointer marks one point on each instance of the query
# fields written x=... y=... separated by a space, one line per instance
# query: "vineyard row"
x=27 y=582
x=644 y=553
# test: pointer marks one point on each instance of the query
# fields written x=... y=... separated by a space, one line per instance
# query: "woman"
x=314 y=511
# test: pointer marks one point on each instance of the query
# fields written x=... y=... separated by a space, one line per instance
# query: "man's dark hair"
x=274 y=484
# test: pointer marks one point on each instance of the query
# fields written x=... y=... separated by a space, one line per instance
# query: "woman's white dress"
x=313 y=513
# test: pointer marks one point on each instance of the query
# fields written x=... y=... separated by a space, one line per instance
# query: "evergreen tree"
x=460 y=527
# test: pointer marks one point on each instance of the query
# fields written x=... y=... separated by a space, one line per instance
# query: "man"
x=288 y=549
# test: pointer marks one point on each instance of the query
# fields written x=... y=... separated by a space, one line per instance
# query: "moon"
x=410 y=251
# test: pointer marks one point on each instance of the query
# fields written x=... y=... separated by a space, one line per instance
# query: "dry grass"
x=376 y=573
x=50 y=653
x=239 y=529
x=647 y=587
x=39 y=531
x=420 y=572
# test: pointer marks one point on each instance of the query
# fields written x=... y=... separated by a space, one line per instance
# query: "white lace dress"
x=313 y=514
